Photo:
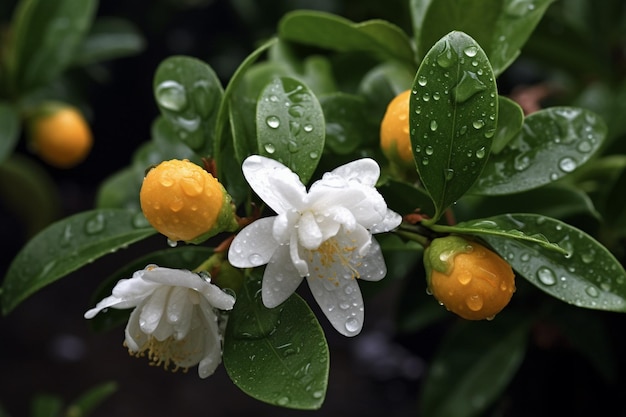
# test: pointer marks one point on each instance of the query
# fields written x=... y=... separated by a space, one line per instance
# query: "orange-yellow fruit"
x=395 y=140
x=475 y=283
x=181 y=200
x=61 y=136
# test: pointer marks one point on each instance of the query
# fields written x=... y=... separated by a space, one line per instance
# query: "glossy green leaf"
x=510 y=121
x=326 y=30
x=552 y=143
x=405 y=198
x=382 y=83
x=84 y=405
x=28 y=191
x=344 y=116
x=9 y=130
x=182 y=257
x=45 y=37
x=501 y=27
x=279 y=356
x=109 y=38
x=290 y=126
x=473 y=366
x=188 y=94
x=505 y=228
x=587 y=276
x=616 y=203
x=67 y=245
x=553 y=200
x=120 y=190
x=452 y=119
x=242 y=144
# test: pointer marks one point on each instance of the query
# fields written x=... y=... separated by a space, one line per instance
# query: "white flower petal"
x=389 y=222
x=254 y=245
x=152 y=311
x=273 y=182
x=341 y=302
x=280 y=279
x=309 y=233
x=365 y=171
x=372 y=267
x=218 y=298
x=135 y=338
x=297 y=261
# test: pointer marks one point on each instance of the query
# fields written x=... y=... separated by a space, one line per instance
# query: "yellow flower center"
x=331 y=257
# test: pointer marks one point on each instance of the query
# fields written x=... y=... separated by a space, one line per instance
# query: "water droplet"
x=567 y=164
x=433 y=125
x=470 y=51
x=308 y=128
x=269 y=148
x=519 y=8
x=522 y=163
x=292 y=146
x=436 y=96
x=478 y=124
x=421 y=80
x=352 y=325
x=448 y=174
x=318 y=394
x=468 y=86
x=426 y=97
x=474 y=302
x=282 y=401
x=546 y=276
x=418 y=149
x=95 y=225
x=171 y=95
x=429 y=150
x=464 y=278
x=481 y=152
x=585 y=146
x=313 y=155
x=255 y=259
x=592 y=291
x=273 y=122
x=418 y=110
x=445 y=59
x=172 y=243
x=425 y=161
x=587 y=257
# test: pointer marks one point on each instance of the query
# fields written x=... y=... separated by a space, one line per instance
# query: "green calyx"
x=226 y=220
x=439 y=255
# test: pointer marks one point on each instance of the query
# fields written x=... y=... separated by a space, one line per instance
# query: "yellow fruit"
x=469 y=279
x=60 y=135
x=181 y=200
x=395 y=140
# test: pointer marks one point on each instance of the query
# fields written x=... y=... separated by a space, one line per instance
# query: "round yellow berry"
x=60 y=136
x=395 y=140
x=181 y=200
x=477 y=284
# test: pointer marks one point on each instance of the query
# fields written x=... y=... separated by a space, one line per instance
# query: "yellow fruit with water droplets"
x=467 y=278
x=395 y=140
x=185 y=202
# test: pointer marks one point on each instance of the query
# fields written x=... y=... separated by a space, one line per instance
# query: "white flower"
x=324 y=234
x=174 y=321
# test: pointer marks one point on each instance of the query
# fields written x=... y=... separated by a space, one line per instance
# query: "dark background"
x=46 y=345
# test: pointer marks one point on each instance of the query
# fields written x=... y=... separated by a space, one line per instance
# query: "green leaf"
x=28 y=190
x=382 y=83
x=587 y=276
x=46 y=35
x=326 y=30
x=120 y=190
x=279 y=356
x=223 y=113
x=505 y=228
x=344 y=116
x=290 y=126
x=453 y=115
x=46 y=405
x=188 y=94
x=9 y=130
x=67 y=245
x=473 y=366
x=109 y=38
x=405 y=198
x=553 y=200
x=90 y=400
x=510 y=121
x=552 y=143
x=501 y=27
x=181 y=257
